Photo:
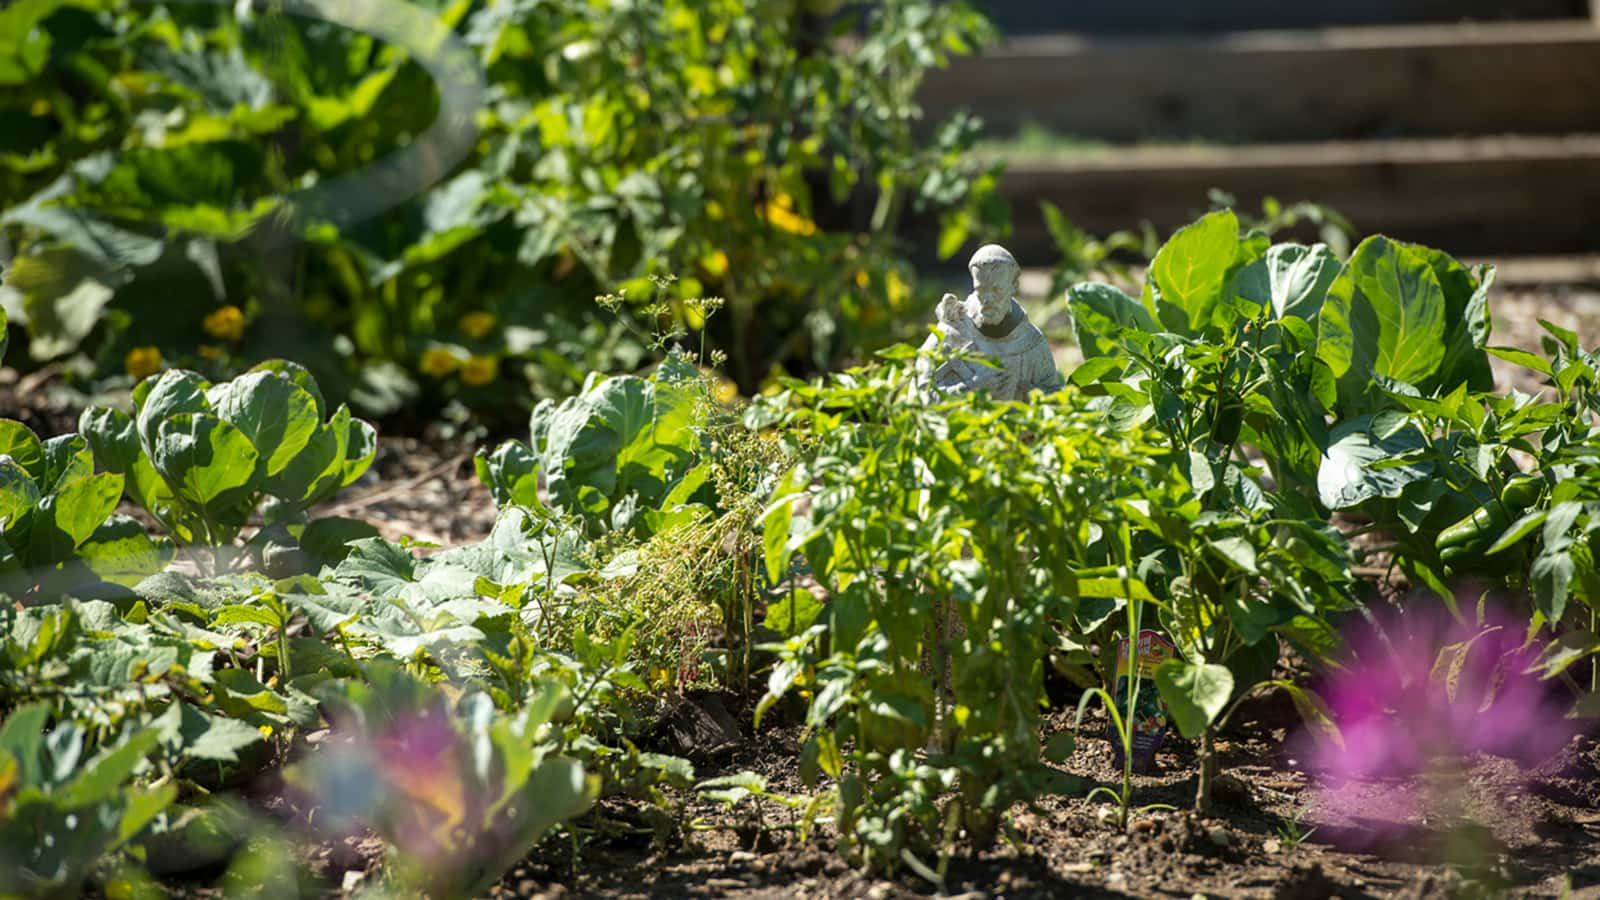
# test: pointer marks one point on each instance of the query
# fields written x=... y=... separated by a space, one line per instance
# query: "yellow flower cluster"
x=474 y=370
x=781 y=214
x=438 y=362
x=226 y=324
x=142 y=362
x=477 y=325
x=479 y=370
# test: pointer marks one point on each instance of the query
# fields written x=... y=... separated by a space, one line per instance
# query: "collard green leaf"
x=361 y=448
x=511 y=473
x=67 y=458
x=1196 y=694
x=67 y=518
x=19 y=497
x=1384 y=315
x=112 y=437
x=317 y=467
x=122 y=552
x=1191 y=271
x=328 y=540
x=173 y=392
x=207 y=461
x=276 y=415
x=20 y=443
x=1102 y=315
x=301 y=378
x=1291 y=280
x=1349 y=474
x=1467 y=323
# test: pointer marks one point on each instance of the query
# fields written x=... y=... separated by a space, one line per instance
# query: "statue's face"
x=993 y=289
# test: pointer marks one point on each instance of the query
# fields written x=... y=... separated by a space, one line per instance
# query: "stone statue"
x=990 y=322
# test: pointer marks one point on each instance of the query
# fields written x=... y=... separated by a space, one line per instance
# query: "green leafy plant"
x=951 y=540
x=749 y=148
x=460 y=791
x=65 y=805
x=201 y=458
x=58 y=531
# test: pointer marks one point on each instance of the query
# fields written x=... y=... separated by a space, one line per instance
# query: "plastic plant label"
x=1150 y=716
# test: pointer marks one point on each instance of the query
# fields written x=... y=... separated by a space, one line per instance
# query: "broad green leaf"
x=173 y=392
x=361 y=448
x=24 y=45
x=103 y=776
x=112 y=437
x=1237 y=551
x=121 y=552
x=1195 y=694
x=19 y=497
x=379 y=566
x=300 y=376
x=1467 y=324
x=328 y=539
x=67 y=458
x=511 y=473
x=143 y=805
x=1101 y=314
x=204 y=736
x=207 y=461
x=60 y=320
x=1292 y=280
x=1384 y=315
x=1552 y=574
x=317 y=469
x=22 y=736
x=276 y=415
x=1351 y=473
x=66 y=519
x=1191 y=271
x=20 y=443
x=793 y=613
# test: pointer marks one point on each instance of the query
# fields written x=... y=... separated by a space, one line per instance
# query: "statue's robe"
x=1023 y=356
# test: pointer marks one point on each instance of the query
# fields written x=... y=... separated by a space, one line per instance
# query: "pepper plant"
x=952 y=539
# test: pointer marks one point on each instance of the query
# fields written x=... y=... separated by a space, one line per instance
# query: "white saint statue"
x=990 y=322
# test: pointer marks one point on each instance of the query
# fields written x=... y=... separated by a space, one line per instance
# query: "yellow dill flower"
x=780 y=213
x=437 y=362
x=478 y=370
x=142 y=362
x=207 y=351
x=476 y=325
x=226 y=324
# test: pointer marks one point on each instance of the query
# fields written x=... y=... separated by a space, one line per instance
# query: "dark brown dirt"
x=1482 y=828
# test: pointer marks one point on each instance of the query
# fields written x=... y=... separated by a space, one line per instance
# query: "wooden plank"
x=1415 y=81
x=1512 y=195
x=1151 y=16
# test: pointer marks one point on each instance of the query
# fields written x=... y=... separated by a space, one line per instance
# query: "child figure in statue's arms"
x=992 y=323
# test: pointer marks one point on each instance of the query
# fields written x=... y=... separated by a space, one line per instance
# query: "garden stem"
x=1208 y=768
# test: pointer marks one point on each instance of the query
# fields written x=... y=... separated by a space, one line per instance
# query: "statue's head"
x=995 y=280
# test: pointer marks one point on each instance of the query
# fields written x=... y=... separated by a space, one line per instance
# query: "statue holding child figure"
x=990 y=322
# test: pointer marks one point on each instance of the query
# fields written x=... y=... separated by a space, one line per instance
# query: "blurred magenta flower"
x=1419 y=689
